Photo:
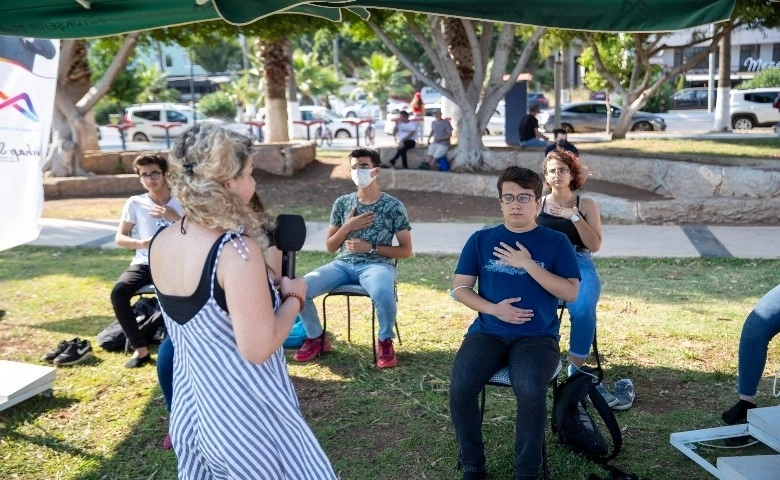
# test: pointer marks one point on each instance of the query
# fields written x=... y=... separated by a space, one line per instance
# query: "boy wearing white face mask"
x=362 y=227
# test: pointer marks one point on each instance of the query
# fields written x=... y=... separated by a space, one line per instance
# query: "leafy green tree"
x=155 y=87
x=244 y=92
x=314 y=80
x=218 y=104
x=382 y=77
x=217 y=53
x=125 y=88
x=766 y=78
x=612 y=54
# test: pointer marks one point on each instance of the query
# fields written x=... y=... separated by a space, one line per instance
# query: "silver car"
x=580 y=117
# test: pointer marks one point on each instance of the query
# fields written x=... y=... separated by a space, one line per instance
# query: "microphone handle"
x=288 y=264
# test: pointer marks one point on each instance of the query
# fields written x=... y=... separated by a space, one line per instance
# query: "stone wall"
x=695 y=192
x=113 y=171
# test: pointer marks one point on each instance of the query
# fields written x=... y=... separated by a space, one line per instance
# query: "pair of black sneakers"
x=69 y=352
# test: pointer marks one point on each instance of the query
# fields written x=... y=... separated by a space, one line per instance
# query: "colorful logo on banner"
x=21 y=103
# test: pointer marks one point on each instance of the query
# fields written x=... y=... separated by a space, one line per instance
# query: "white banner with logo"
x=28 y=79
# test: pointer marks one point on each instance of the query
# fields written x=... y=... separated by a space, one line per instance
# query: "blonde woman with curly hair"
x=234 y=412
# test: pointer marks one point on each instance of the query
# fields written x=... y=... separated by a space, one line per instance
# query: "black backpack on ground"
x=150 y=322
x=574 y=424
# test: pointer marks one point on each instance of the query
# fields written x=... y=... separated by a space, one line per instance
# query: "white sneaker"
x=624 y=391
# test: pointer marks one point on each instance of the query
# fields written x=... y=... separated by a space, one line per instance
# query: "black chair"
x=146 y=290
x=355 y=290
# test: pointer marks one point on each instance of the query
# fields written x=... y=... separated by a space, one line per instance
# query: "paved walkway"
x=448 y=238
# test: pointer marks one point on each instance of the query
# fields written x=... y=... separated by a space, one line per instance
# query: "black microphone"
x=289 y=237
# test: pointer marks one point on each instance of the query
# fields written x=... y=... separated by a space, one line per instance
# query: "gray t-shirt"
x=441 y=128
x=390 y=218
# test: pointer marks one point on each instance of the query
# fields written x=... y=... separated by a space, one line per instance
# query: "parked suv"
x=753 y=108
x=145 y=116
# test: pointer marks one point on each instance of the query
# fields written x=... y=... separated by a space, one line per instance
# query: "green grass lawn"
x=670 y=325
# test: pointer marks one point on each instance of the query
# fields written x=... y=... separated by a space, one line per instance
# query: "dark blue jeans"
x=532 y=362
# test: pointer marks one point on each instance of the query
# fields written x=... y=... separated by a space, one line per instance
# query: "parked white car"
x=147 y=117
x=753 y=108
x=338 y=127
x=367 y=110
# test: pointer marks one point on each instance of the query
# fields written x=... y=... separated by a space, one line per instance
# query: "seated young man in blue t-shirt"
x=523 y=269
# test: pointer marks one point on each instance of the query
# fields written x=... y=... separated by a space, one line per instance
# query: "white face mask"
x=362 y=177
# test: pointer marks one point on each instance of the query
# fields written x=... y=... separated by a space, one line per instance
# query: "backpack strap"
x=609 y=420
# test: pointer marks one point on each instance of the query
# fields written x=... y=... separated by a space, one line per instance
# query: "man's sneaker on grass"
x=624 y=391
x=57 y=351
x=312 y=348
x=607 y=395
x=386 y=357
x=76 y=352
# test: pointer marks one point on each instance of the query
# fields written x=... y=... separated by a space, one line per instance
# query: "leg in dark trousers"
x=129 y=282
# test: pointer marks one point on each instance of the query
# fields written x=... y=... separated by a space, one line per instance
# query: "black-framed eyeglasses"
x=152 y=176
x=508 y=198
x=558 y=171
x=361 y=166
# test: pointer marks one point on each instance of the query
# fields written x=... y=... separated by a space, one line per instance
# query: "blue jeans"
x=165 y=369
x=534 y=142
x=532 y=362
x=583 y=310
x=761 y=325
x=378 y=279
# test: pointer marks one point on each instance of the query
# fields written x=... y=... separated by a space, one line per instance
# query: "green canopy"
x=93 y=18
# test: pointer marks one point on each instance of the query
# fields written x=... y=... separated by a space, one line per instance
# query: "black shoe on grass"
x=75 y=353
x=58 y=350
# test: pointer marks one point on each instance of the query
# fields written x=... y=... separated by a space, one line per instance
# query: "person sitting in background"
x=441 y=131
x=561 y=143
x=227 y=321
x=529 y=133
x=405 y=133
x=579 y=219
x=362 y=227
x=761 y=326
x=521 y=269
x=146 y=213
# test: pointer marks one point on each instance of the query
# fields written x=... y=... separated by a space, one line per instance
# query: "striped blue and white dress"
x=230 y=418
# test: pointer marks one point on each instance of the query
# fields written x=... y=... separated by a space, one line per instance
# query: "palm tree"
x=314 y=80
x=276 y=57
x=155 y=87
x=382 y=78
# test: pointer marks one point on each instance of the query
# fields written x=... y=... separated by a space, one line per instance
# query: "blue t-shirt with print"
x=390 y=217
x=497 y=281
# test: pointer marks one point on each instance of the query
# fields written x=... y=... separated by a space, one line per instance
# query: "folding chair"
x=147 y=290
x=355 y=290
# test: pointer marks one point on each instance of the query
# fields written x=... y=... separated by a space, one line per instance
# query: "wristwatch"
x=575 y=218
x=373 y=249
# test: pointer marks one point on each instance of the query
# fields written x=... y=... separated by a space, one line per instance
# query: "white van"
x=148 y=120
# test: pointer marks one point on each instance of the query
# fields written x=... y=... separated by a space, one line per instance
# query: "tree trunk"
x=722 y=122
x=73 y=130
x=71 y=136
x=459 y=49
x=276 y=58
x=468 y=154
